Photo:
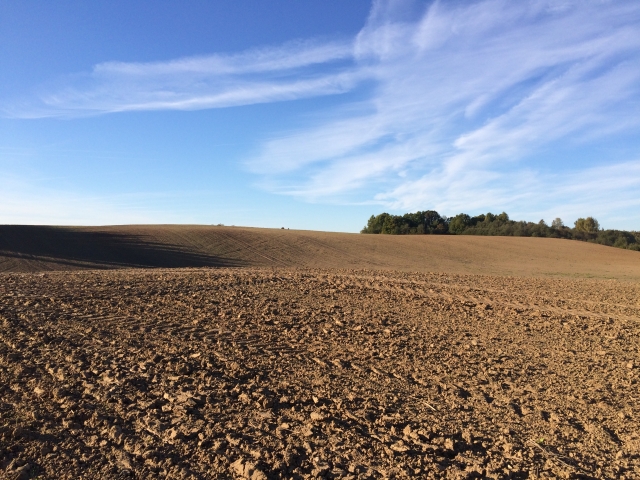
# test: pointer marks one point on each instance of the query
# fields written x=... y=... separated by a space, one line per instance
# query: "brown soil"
x=293 y=373
x=39 y=248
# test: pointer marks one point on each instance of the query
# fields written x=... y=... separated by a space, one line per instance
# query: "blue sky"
x=317 y=114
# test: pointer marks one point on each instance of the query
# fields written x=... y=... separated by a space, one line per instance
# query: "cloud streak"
x=266 y=75
x=468 y=99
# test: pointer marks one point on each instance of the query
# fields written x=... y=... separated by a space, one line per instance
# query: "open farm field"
x=307 y=373
x=41 y=248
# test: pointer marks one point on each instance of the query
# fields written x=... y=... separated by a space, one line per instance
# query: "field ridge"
x=45 y=248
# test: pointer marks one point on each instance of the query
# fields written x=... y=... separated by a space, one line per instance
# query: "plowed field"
x=303 y=373
x=41 y=248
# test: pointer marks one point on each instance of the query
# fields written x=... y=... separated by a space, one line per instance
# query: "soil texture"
x=46 y=248
x=307 y=373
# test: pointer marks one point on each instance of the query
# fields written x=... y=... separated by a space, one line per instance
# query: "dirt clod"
x=357 y=374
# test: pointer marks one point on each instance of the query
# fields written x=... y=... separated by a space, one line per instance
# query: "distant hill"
x=45 y=248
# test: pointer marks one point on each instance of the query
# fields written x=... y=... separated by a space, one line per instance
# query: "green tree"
x=391 y=225
x=459 y=223
x=588 y=225
x=430 y=222
x=375 y=223
x=433 y=222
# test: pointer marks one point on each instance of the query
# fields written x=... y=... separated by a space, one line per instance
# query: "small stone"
x=337 y=362
x=317 y=416
x=238 y=466
x=399 y=447
x=173 y=434
x=124 y=460
x=630 y=364
x=247 y=470
x=258 y=475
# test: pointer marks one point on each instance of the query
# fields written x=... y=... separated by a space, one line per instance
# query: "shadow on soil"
x=74 y=248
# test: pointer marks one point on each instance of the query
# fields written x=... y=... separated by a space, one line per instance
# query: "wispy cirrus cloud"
x=287 y=72
x=466 y=96
x=608 y=191
x=467 y=100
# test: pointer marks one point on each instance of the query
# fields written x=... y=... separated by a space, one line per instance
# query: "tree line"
x=431 y=222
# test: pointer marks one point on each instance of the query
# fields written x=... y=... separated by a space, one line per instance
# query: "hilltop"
x=45 y=248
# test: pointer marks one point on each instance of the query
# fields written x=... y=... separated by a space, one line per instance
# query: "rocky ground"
x=250 y=373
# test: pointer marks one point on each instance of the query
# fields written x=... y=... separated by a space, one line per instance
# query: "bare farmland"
x=41 y=248
x=305 y=373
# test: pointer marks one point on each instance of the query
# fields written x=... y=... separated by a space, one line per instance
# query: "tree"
x=391 y=225
x=589 y=225
x=459 y=223
x=433 y=222
x=477 y=219
x=503 y=217
x=430 y=222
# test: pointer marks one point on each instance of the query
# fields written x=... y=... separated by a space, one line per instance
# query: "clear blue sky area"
x=316 y=114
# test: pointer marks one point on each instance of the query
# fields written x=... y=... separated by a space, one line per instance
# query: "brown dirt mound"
x=37 y=248
x=283 y=373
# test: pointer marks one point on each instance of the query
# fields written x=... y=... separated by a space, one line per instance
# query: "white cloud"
x=465 y=96
x=600 y=190
x=286 y=72
x=287 y=57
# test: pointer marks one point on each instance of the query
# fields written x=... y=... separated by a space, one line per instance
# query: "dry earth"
x=293 y=373
x=42 y=248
